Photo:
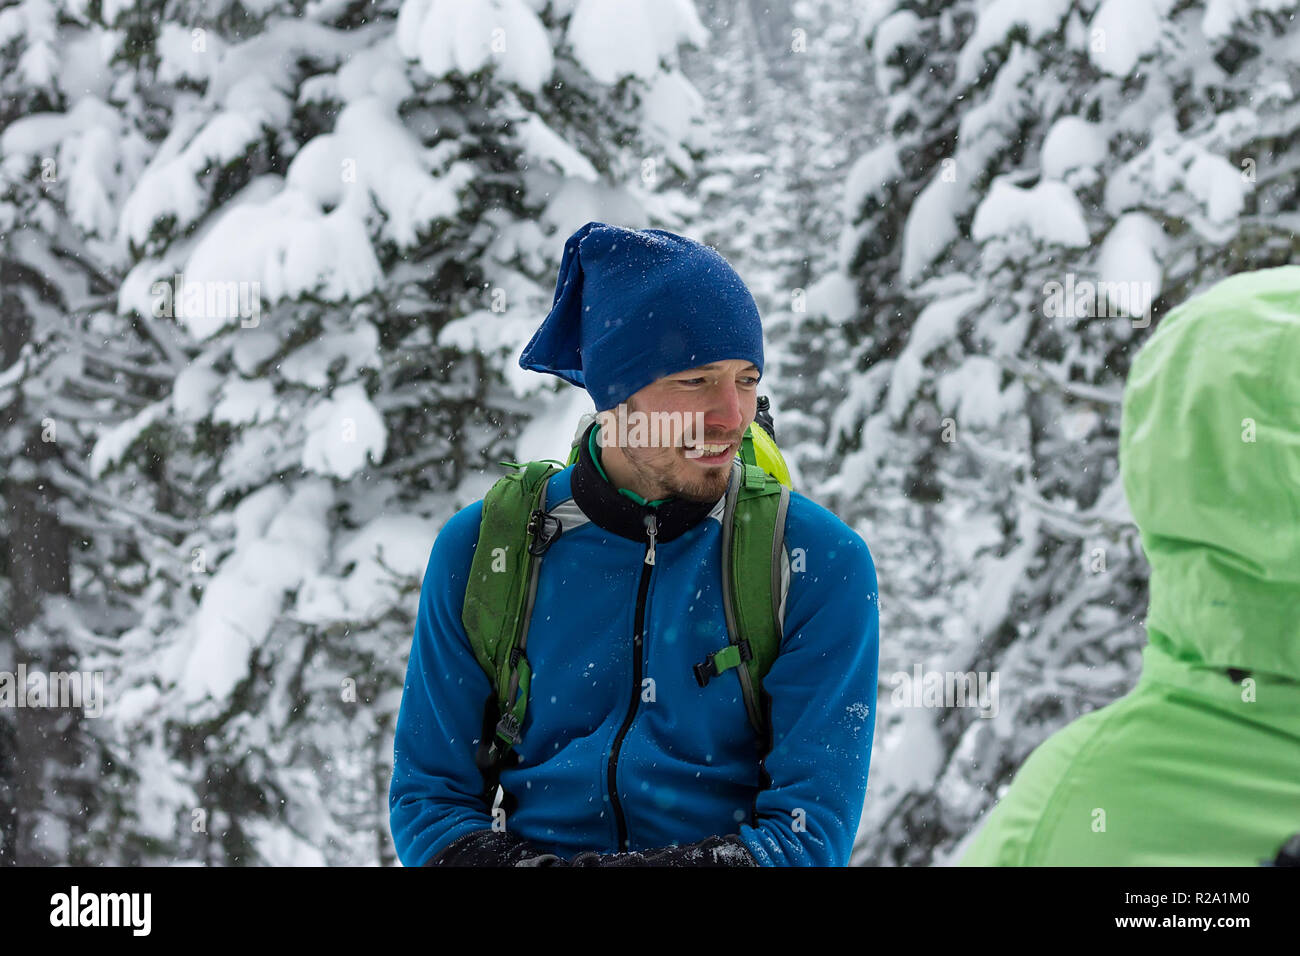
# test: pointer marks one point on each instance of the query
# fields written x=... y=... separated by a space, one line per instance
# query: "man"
x=625 y=759
x=1200 y=763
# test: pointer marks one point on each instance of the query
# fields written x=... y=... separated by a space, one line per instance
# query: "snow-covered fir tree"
x=348 y=220
x=1053 y=177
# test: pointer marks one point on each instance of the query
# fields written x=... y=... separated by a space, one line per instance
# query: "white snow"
x=39 y=133
x=170 y=185
x=574 y=202
x=466 y=35
x=486 y=331
x=1131 y=254
x=387 y=546
x=280 y=846
x=868 y=15
x=859 y=468
x=378 y=71
x=245 y=402
x=1215 y=191
x=136 y=705
x=371 y=153
x=252 y=515
x=936 y=325
x=897 y=30
x=907 y=754
x=1049 y=212
x=194 y=392
x=34 y=21
x=931 y=225
x=972 y=392
x=1002 y=576
x=342 y=431
x=1111 y=504
x=989 y=127
x=246 y=94
x=401 y=542
x=84 y=142
x=84 y=62
x=1218 y=186
x=519 y=240
x=1222 y=15
x=282 y=248
x=251 y=348
x=245 y=595
x=550 y=434
x=164 y=795
x=135 y=293
x=111 y=446
x=1038 y=18
x=937 y=322
x=188 y=53
x=672 y=112
x=1123 y=31
x=346 y=351
x=540 y=143
x=834 y=295
x=89 y=163
x=905 y=379
x=1072 y=143
x=863 y=392
x=258 y=453
x=869 y=177
x=630 y=38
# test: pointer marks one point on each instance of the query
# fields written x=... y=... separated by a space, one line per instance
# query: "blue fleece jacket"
x=689 y=764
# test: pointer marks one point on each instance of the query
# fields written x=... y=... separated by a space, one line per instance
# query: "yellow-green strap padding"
x=756 y=528
x=726 y=658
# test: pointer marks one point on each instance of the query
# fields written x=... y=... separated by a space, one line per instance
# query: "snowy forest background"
x=229 y=513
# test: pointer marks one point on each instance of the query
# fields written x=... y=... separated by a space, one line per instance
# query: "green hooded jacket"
x=1195 y=766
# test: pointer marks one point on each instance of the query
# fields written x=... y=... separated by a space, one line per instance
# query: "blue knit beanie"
x=633 y=306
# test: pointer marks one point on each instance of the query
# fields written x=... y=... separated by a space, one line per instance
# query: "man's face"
x=720 y=397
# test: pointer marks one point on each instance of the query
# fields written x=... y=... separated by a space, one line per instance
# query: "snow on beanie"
x=633 y=306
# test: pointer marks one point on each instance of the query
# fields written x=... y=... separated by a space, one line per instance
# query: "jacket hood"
x=1210 y=462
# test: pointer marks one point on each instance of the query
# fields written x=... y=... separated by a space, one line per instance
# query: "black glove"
x=493 y=848
x=728 y=850
x=1288 y=855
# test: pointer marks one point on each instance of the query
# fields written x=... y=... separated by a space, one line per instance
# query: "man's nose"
x=725 y=413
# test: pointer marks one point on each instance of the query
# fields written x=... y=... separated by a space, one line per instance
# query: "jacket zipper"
x=647 y=568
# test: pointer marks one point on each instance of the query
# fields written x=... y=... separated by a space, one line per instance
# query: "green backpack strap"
x=513 y=534
x=753 y=541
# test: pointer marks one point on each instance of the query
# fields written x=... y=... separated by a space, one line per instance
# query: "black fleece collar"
x=601 y=502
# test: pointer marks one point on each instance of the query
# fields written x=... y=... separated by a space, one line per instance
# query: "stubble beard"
x=708 y=486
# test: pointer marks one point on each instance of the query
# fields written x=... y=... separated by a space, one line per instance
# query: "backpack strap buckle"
x=730 y=656
x=544 y=528
x=508 y=729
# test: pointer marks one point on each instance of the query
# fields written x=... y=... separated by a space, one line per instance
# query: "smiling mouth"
x=709 y=452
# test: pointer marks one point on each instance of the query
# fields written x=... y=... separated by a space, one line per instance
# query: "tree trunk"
x=34 y=557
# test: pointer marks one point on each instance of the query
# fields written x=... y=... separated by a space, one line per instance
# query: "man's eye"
x=750 y=380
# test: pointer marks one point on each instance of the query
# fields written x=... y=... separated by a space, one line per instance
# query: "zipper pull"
x=652 y=529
